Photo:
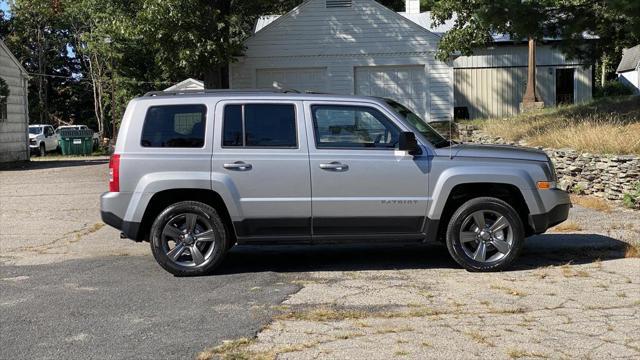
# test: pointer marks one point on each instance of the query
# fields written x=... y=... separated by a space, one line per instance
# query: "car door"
x=362 y=185
x=49 y=138
x=261 y=153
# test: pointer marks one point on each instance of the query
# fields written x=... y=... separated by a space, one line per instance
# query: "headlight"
x=32 y=141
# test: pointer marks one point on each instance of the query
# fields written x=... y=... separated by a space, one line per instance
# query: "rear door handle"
x=334 y=166
x=238 y=165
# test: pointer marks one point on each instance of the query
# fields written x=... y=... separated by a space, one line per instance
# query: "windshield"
x=35 y=130
x=416 y=121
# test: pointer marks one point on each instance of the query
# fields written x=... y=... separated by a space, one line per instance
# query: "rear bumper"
x=112 y=205
x=541 y=222
x=131 y=230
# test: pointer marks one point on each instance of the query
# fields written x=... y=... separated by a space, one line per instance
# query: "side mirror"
x=408 y=142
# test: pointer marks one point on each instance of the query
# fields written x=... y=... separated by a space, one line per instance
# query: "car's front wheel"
x=485 y=234
x=188 y=238
x=42 y=151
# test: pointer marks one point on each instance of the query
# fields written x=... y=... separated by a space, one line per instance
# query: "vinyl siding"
x=491 y=82
x=13 y=131
x=631 y=79
x=343 y=39
x=341 y=76
x=497 y=92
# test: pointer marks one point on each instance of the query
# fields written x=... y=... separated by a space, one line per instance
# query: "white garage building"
x=349 y=47
x=361 y=47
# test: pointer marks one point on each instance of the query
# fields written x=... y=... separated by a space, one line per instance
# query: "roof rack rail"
x=215 y=91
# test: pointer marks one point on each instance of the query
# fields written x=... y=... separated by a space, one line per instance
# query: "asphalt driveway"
x=70 y=288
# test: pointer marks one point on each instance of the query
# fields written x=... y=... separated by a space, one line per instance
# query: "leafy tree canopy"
x=615 y=22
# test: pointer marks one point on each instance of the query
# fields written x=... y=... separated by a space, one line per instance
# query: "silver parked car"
x=196 y=173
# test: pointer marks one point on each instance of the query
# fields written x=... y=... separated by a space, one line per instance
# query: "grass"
x=518 y=354
x=567 y=226
x=480 y=338
x=508 y=290
x=591 y=202
x=631 y=251
x=603 y=126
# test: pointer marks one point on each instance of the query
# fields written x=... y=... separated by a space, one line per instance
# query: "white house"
x=362 y=47
x=14 y=109
x=188 y=84
x=629 y=68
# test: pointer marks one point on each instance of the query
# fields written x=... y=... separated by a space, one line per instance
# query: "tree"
x=200 y=37
x=35 y=34
x=616 y=23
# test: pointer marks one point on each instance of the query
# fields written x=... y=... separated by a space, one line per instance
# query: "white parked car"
x=42 y=139
x=96 y=135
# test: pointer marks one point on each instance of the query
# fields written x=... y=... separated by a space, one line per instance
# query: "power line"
x=82 y=79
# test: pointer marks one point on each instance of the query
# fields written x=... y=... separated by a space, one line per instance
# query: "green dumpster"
x=76 y=142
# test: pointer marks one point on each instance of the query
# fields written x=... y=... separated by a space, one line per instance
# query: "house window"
x=3 y=108
x=338 y=3
x=4 y=96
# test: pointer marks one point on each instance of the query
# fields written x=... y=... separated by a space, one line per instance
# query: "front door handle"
x=238 y=165
x=334 y=166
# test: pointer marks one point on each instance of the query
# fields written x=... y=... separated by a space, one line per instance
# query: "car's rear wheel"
x=188 y=238
x=485 y=234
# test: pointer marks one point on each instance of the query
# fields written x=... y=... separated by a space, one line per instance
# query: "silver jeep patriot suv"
x=196 y=173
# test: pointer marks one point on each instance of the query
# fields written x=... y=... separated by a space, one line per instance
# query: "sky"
x=4 y=6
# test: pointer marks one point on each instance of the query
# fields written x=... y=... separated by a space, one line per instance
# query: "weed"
x=479 y=338
x=508 y=290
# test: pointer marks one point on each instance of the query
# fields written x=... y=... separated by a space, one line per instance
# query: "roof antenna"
x=450 y=138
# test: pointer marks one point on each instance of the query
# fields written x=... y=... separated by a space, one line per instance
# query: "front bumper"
x=541 y=222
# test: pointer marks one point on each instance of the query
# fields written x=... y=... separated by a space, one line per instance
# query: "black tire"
x=460 y=251
x=42 y=151
x=208 y=218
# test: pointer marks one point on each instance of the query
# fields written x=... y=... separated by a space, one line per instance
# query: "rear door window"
x=260 y=125
x=174 y=126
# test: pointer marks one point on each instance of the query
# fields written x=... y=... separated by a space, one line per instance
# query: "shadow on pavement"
x=51 y=164
x=539 y=251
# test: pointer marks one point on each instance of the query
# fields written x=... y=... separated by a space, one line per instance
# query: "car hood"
x=493 y=151
x=33 y=136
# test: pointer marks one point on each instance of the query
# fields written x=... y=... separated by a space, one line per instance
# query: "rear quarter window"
x=174 y=126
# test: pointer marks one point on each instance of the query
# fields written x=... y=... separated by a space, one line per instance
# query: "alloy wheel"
x=486 y=236
x=188 y=240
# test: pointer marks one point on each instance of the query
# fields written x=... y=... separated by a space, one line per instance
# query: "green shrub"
x=612 y=88
x=632 y=200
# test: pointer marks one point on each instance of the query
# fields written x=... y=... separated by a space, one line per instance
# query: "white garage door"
x=301 y=79
x=404 y=84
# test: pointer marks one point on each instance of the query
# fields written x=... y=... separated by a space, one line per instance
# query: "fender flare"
x=450 y=178
x=153 y=183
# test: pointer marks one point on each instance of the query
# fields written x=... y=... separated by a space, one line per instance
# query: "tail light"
x=114 y=173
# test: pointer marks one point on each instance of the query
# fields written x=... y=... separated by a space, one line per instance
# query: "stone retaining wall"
x=605 y=176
